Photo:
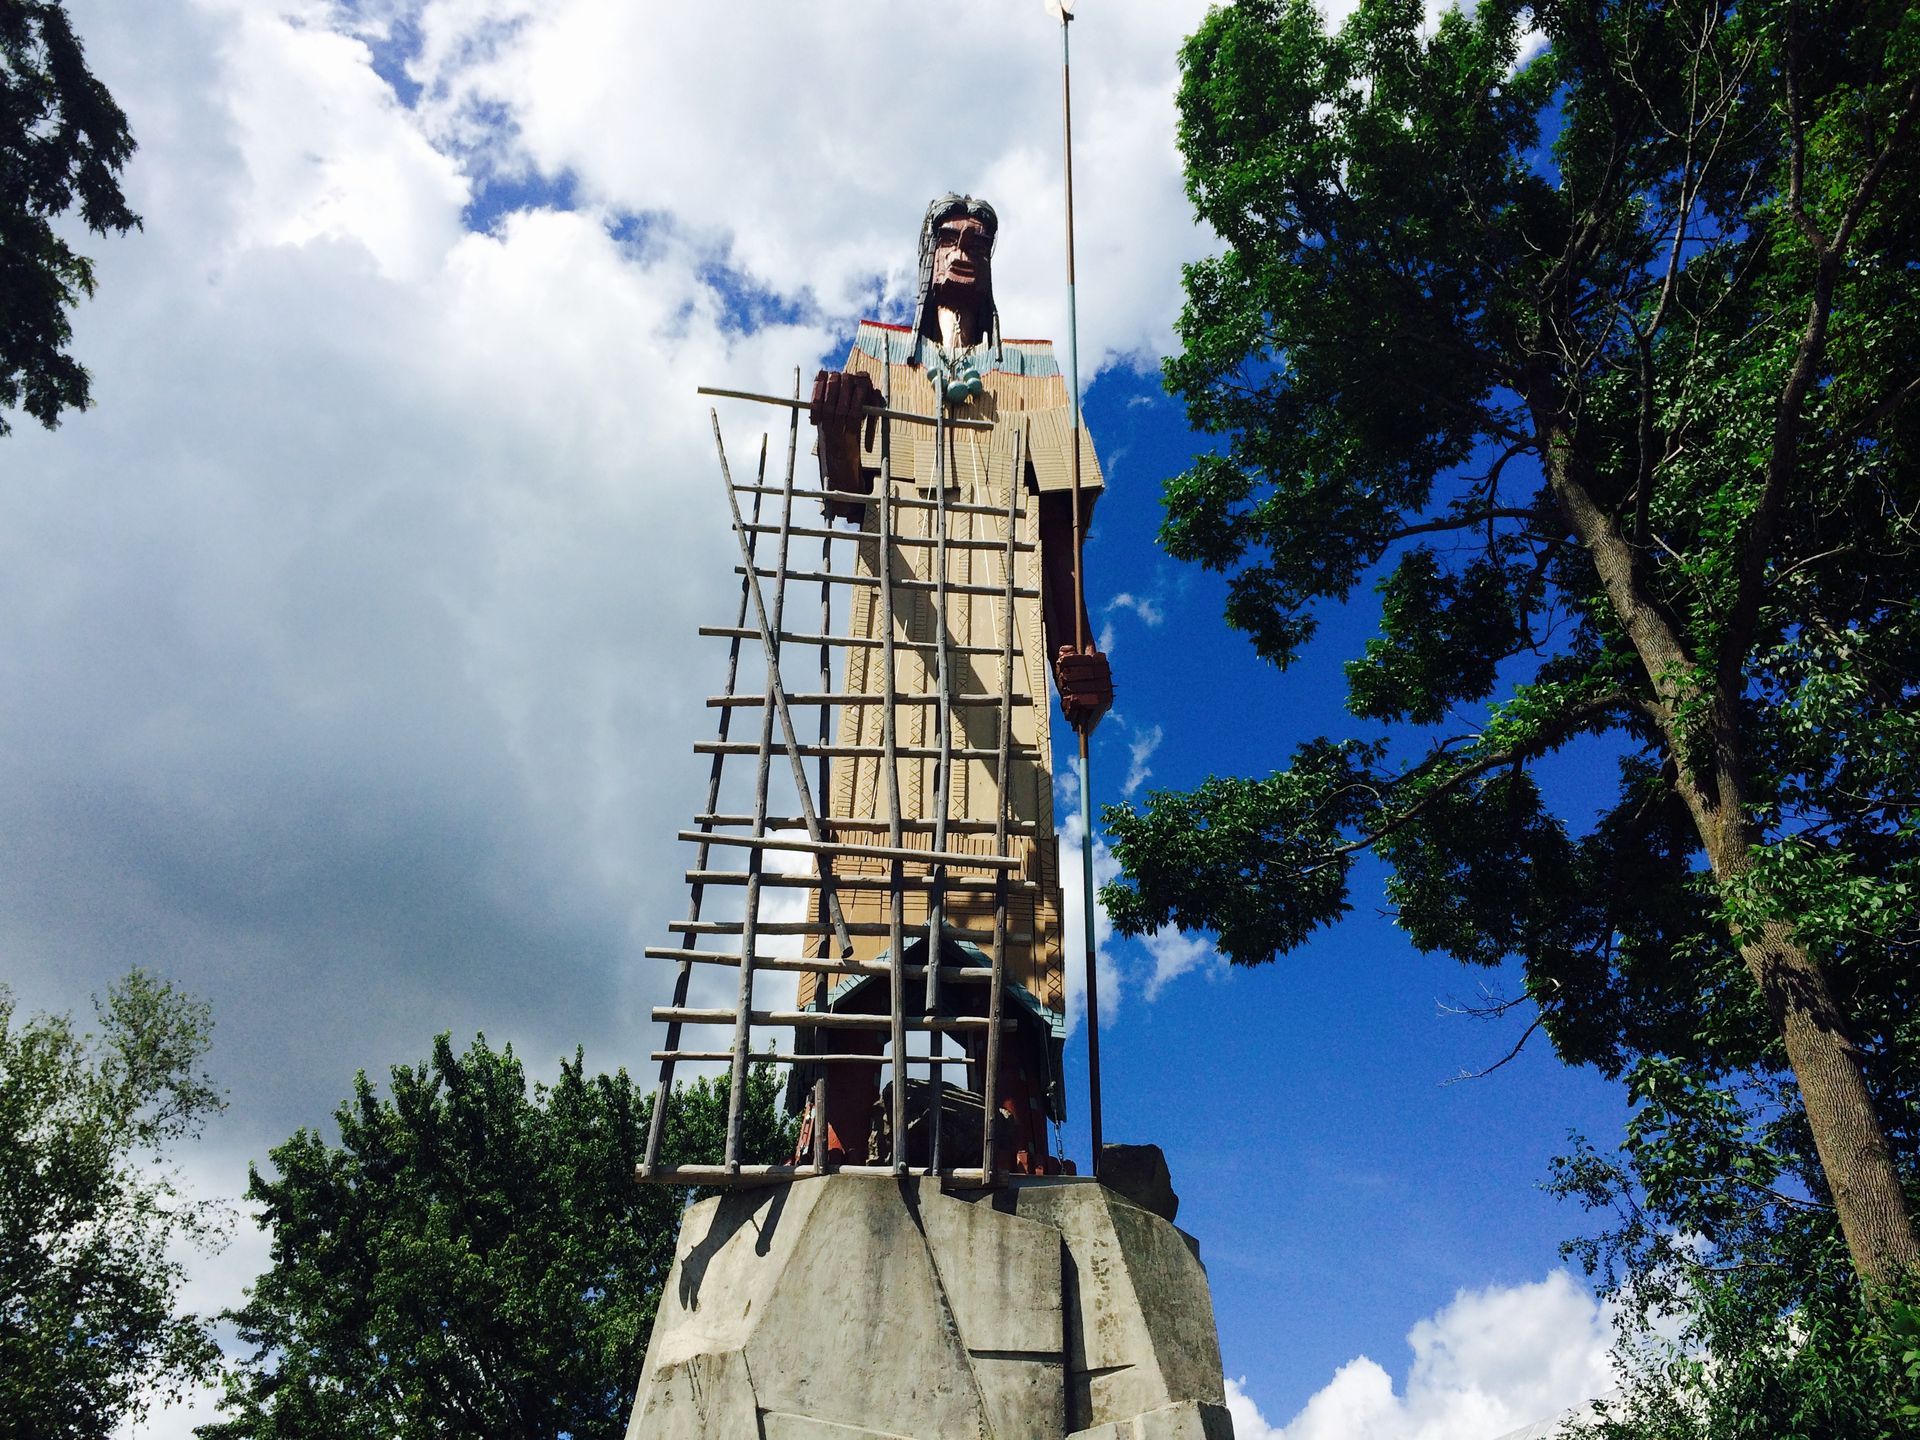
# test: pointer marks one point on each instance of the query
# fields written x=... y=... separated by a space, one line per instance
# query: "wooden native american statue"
x=954 y=354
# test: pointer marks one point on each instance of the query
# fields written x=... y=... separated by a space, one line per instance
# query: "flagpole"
x=1080 y=606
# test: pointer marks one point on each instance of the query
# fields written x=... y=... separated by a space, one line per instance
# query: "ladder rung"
x=839 y=822
x=718 y=1176
x=855 y=882
x=789 y=637
x=825 y=927
x=722 y=1177
x=785 y=402
x=847 y=497
x=863 y=752
x=960 y=974
x=719 y=702
x=814 y=532
x=847 y=848
x=952 y=587
x=776 y=1058
x=824 y=1019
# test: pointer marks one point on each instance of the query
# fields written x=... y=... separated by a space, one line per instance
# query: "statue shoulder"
x=881 y=343
x=1032 y=358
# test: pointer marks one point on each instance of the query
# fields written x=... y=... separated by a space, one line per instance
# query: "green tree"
x=1741 y=1315
x=90 y=1213
x=1604 y=367
x=473 y=1257
x=63 y=143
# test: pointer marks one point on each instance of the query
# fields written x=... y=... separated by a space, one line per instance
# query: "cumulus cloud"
x=216 y=1279
x=1149 y=610
x=345 y=687
x=1487 y=1363
x=800 y=140
x=1173 y=955
x=353 y=634
x=1145 y=608
x=1140 y=750
x=1105 y=868
x=350 y=660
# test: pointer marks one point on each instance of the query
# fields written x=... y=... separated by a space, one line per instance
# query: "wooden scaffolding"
x=797 y=724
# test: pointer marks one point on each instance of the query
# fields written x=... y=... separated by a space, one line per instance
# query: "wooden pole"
x=942 y=775
x=1080 y=613
x=957 y=587
x=907 y=752
x=749 y=1175
x=776 y=693
x=798 y=404
x=857 y=642
x=896 y=872
x=956 y=974
x=656 y=1123
x=824 y=865
x=867 y=852
x=743 y=1016
x=990 y=1071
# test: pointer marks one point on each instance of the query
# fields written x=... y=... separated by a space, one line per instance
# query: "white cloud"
x=1174 y=954
x=1488 y=1362
x=350 y=662
x=1248 y=1422
x=351 y=646
x=216 y=1279
x=805 y=141
x=1151 y=612
x=1140 y=750
x=373 y=180
x=1073 y=888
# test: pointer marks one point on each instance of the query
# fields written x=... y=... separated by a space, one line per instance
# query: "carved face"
x=962 y=262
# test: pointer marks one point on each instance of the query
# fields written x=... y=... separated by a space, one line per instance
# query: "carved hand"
x=838 y=398
x=1085 y=680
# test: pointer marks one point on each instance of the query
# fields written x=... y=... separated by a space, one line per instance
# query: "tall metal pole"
x=1080 y=607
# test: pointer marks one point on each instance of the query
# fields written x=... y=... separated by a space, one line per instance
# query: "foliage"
x=1604 y=370
x=90 y=1213
x=1750 y=1328
x=63 y=143
x=472 y=1258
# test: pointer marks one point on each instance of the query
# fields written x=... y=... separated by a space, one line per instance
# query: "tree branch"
x=1757 y=543
x=1507 y=1058
x=1462 y=522
x=1567 y=723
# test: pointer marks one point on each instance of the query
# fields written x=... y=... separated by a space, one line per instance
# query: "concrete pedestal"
x=847 y=1307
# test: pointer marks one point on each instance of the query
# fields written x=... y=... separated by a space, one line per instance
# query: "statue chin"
x=967 y=303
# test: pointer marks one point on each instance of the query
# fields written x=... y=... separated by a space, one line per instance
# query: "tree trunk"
x=1867 y=1194
x=1865 y=1184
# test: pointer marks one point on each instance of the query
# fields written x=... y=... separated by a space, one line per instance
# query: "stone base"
x=849 y=1306
x=1189 y=1420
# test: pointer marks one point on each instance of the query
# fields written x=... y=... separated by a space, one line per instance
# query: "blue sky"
x=1339 y=1184
x=351 y=659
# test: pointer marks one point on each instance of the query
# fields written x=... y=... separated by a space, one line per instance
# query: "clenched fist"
x=1086 y=686
x=838 y=398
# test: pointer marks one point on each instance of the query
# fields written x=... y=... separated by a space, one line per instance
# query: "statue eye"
x=972 y=242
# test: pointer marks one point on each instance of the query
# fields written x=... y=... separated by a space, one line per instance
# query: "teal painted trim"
x=1015 y=357
x=1027 y=358
x=891 y=347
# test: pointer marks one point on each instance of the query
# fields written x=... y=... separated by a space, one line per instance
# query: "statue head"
x=956 y=265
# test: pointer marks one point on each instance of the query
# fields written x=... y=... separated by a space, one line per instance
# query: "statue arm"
x=838 y=398
x=1083 y=676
